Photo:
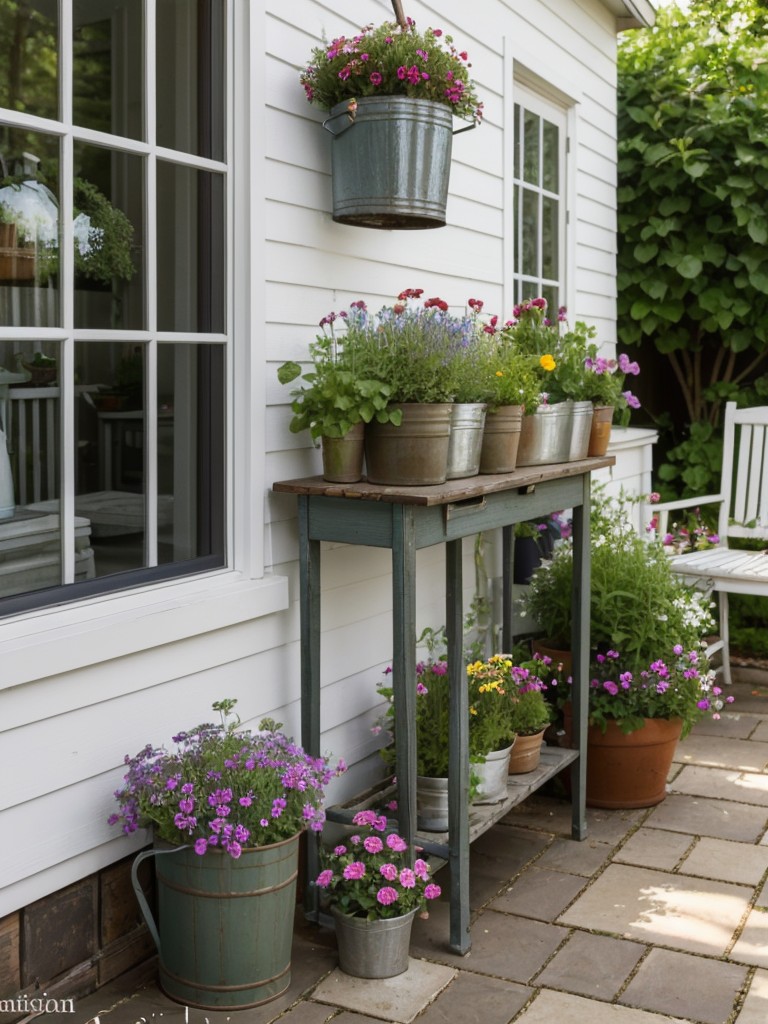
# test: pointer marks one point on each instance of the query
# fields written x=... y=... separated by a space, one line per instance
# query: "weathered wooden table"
x=405 y=519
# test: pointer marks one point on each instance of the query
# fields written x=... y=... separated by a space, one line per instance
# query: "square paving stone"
x=592 y=965
x=662 y=909
x=743 y=787
x=745 y=755
x=583 y=858
x=397 y=999
x=472 y=999
x=742 y=863
x=505 y=946
x=752 y=945
x=654 y=848
x=698 y=816
x=732 y=725
x=682 y=985
x=761 y=732
x=755 y=1007
x=563 y=1008
x=540 y=894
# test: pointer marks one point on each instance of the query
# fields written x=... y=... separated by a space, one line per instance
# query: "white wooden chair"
x=743 y=513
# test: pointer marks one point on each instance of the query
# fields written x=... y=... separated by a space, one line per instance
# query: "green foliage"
x=693 y=466
x=107 y=253
x=693 y=170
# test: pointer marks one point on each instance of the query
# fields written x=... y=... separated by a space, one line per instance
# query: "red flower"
x=439 y=303
x=476 y=304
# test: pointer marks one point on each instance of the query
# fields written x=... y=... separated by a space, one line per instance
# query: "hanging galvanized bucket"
x=226 y=925
x=546 y=435
x=390 y=161
x=467 y=423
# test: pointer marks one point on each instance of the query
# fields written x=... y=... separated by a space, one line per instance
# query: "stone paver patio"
x=659 y=917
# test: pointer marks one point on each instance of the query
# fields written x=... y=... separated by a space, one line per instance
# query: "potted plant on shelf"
x=391 y=89
x=334 y=402
x=227 y=808
x=531 y=714
x=374 y=889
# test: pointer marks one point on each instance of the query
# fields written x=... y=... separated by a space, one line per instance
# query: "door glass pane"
x=551 y=157
x=190 y=76
x=108 y=66
x=191 y=269
x=190 y=458
x=30 y=531
x=29 y=70
x=109 y=238
x=530 y=261
x=29 y=228
x=549 y=237
x=531 y=160
x=110 y=470
x=516 y=171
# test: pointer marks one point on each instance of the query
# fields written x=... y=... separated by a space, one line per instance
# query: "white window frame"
x=54 y=640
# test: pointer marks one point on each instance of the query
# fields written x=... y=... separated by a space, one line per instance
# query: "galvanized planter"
x=373 y=949
x=390 y=162
x=343 y=456
x=545 y=437
x=413 y=454
x=493 y=774
x=501 y=439
x=226 y=925
x=581 y=428
x=467 y=423
x=432 y=803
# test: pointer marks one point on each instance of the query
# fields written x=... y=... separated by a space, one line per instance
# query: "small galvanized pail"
x=467 y=423
x=580 y=431
x=546 y=435
x=413 y=454
x=373 y=949
x=501 y=439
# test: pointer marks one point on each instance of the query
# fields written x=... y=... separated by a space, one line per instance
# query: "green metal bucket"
x=226 y=925
x=390 y=162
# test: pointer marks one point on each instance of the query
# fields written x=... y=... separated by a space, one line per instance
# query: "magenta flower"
x=407 y=878
x=324 y=878
x=373 y=844
x=396 y=843
x=354 y=871
x=388 y=871
x=375 y=78
x=432 y=891
x=387 y=895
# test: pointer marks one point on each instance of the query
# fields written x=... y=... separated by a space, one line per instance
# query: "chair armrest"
x=661 y=510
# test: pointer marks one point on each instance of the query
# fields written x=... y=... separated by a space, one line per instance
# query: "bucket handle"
x=143 y=904
x=352 y=114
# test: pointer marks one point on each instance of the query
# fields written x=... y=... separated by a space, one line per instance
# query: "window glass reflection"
x=29 y=228
x=191 y=271
x=29 y=71
x=110 y=471
x=190 y=467
x=108 y=66
x=108 y=200
x=190 y=76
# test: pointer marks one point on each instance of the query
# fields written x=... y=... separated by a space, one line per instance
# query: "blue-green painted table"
x=405 y=519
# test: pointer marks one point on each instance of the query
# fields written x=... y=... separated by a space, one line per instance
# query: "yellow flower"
x=499 y=373
x=547 y=363
x=472 y=711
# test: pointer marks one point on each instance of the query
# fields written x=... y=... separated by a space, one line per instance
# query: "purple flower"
x=407 y=878
x=354 y=871
x=373 y=844
x=375 y=78
x=396 y=843
x=386 y=895
x=432 y=891
x=201 y=845
x=611 y=687
x=324 y=879
x=388 y=871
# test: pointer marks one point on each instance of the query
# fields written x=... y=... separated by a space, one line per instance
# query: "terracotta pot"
x=558 y=655
x=343 y=456
x=526 y=753
x=600 y=434
x=627 y=770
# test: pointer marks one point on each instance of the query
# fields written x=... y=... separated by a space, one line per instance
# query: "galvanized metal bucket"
x=432 y=803
x=545 y=437
x=413 y=454
x=581 y=427
x=373 y=949
x=501 y=439
x=390 y=162
x=226 y=925
x=467 y=423
x=343 y=456
x=492 y=775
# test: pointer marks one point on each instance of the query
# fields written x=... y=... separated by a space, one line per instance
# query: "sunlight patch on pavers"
x=755 y=1008
x=679 y=911
x=745 y=755
x=752 y=944
x=397 y=999
x=571 y=1009
x=728 y=784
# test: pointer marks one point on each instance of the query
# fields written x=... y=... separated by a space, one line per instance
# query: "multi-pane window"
x=539 y=200
x=114 y=333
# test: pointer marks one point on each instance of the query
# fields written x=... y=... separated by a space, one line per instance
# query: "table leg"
x=507 y=577
x=309 y=602
x=580 y=641
x=404 y=664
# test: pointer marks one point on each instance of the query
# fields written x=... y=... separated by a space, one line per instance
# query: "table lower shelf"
x=481 y=816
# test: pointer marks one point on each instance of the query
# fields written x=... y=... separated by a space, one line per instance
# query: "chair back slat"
x=746 y=514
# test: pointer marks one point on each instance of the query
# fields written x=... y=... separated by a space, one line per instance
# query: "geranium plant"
x=370 y=875
x=332 y=397
x=391 y=60
x=679 y=685
x=225 y=787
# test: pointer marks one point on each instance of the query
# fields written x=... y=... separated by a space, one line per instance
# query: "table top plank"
x=442 y=494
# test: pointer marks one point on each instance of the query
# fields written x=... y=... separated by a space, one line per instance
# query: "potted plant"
x=374 y=888
x=636 y=718
x=227 y=808
x=531 y=714
x=413 y=346
x=391 y=89
x=334 y=402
